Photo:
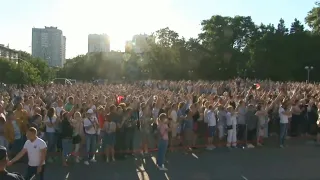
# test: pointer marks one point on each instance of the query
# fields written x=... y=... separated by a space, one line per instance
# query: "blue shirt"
x=188 y=123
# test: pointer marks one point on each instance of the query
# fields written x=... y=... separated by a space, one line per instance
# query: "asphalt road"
x=300 y=161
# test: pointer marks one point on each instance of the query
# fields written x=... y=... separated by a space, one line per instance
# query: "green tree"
x=15 y=73
x=296 y=27
x=313 y=19
x=226 y=47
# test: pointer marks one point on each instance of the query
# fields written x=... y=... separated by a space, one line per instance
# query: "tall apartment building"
x=98 y=43
x=8 y=53
x=140 y=43
x=49 y=44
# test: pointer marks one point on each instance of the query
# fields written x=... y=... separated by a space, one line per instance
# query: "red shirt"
x=101 y=120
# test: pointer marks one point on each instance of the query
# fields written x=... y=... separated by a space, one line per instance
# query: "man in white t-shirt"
x=211 y=120
x=91 y=126
x=284 y=120
x=37 y=150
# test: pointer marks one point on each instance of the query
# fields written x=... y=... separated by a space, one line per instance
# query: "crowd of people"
x=71 y=119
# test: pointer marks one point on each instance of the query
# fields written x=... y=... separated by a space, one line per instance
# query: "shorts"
x=211 y=131
x=109 y=139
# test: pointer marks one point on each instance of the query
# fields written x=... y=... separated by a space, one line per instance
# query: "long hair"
x=51 y=112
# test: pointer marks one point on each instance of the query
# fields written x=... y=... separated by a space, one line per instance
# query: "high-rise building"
x=128 y=47
x=98 y=43
x=8 y=53
x=140 y=43
x=64 y=39
x=49 y=44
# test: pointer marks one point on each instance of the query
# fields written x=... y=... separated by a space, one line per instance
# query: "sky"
x=121 y=19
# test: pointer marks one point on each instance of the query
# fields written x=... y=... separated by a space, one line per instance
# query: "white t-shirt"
x=283 y=118
x=205 y=115
x=58 y=111
x=34 y=151
x=53 y=120
x=92 y=121
x=174 y=115
x=211 y=118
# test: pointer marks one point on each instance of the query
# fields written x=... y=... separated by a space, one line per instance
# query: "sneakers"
x=87 y=162
x=93 y=160
x=162 y=168
x=250 y=146
x=281 y=146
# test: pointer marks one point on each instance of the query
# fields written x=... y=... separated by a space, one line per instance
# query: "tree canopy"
x=226 y=47
x=26 y=70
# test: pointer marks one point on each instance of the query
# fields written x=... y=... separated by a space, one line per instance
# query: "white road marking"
x=142 y=174
x=194 y=155
x=67 y=176
x=244 y=178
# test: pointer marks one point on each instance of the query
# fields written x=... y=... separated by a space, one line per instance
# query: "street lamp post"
x=308 y=68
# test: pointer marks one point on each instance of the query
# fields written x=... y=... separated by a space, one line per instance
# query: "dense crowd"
x=72 y=119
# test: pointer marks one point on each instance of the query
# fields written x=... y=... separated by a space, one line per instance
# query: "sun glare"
x=120 y=19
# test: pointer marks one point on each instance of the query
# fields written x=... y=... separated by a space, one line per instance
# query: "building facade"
x=98 y=43
x=49 y=44
x=140 y=43
x=7 y=53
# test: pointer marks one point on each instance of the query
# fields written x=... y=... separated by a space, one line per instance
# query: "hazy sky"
x=121 y=19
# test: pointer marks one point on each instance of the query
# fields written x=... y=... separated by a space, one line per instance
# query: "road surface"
x=300 y=161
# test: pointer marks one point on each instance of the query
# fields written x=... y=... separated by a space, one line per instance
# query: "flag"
x=257 y=85
x=119 y=99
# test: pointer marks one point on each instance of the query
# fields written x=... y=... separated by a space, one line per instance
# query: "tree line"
x=25 y=70
x=226 y=47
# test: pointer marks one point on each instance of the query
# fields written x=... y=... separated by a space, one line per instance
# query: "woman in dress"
x=78 y=134
x=263 y=119
x=109 y=138
x=145 y=126
x=163 y=140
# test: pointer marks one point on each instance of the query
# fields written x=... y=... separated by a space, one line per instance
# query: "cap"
x=3 y=153
x=90 y=111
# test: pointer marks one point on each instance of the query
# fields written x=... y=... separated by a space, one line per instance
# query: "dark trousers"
x=202 y=129
x=295 y=125
x=32 y=171
x=120 y=143
x=59 y=142
x=241 y=134
x=251 y=134
x=129 y=137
